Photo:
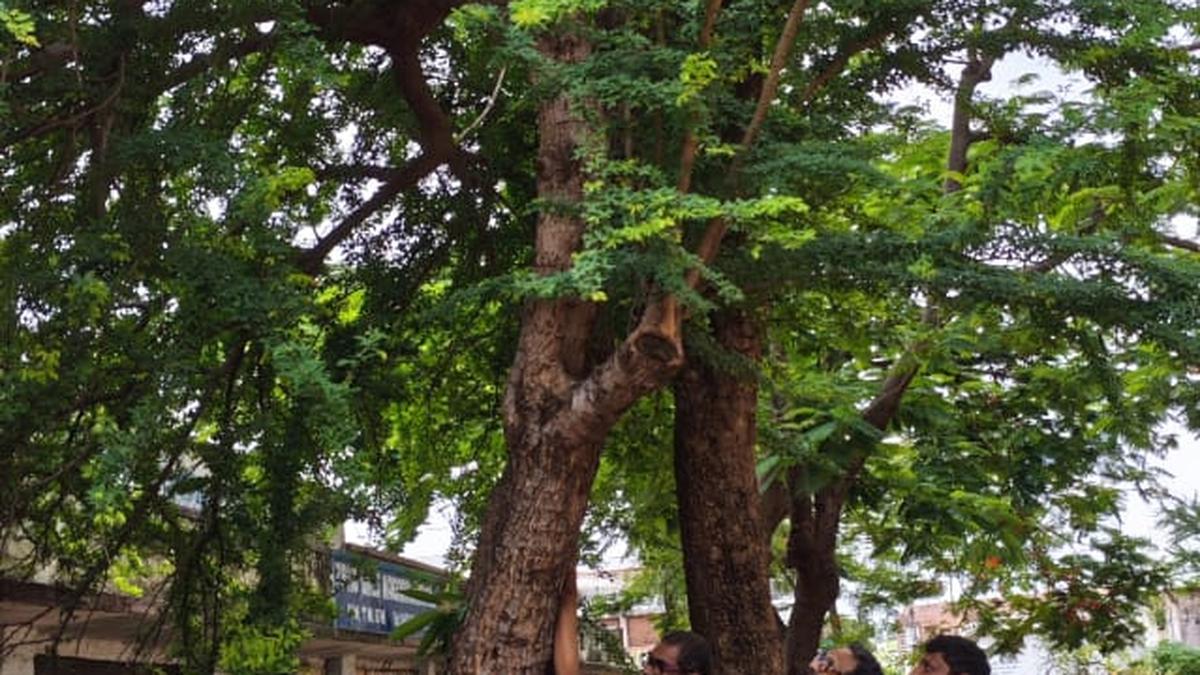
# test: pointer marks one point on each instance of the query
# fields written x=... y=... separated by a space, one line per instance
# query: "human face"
x=662 y=659
x=840 y=661
x=931 y=664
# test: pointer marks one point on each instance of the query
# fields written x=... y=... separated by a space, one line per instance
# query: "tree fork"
x=558 y=410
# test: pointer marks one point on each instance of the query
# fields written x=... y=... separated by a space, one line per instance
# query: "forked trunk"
x=531 y=529
x=812 y=543
x=559 y=407
x=813 y=599
x=726 y=559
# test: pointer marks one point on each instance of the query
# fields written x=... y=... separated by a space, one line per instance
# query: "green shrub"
x=1172 y=658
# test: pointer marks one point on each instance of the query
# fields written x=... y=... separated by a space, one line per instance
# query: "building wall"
x=105 y=652
x=1183 y=618
x=105 y=636
x=642 y=633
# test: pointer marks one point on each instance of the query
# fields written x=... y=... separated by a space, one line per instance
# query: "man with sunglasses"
x=682 y=652
x=853 y=659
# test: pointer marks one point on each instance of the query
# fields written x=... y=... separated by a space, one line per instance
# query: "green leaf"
x=20 y=25
x=415 y=625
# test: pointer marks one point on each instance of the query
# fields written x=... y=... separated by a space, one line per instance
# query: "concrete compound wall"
x=1183 y=618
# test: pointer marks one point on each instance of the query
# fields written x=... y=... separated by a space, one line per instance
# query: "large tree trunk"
x=532 y=524
x=726 y=556
x=559 y=407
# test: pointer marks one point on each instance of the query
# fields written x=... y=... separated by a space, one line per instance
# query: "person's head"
x=952 y=655
x=851 y=660
x=682 y=652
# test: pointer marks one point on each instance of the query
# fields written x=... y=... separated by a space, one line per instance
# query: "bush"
x=1172 y=658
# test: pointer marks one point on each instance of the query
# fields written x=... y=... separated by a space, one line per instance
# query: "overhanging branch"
x=310 y=261
x=258 y=42
x=70 y=119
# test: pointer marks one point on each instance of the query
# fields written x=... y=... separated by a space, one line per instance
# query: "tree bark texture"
x=533 y=519
x=726 y=556
x=559 y=407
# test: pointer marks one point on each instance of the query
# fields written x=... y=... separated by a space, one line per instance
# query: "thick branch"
x=886 y=404
x=72 y=119
x=883 y=408
x=343 y=172
x=1179 y=242
x=783 y=51
x=879 y=414
x=977 y=70
x=842 y=60
x=711 y=10
x=710 y=242
x=396 y=26
x=645 y=361
x=198 y=65
x=310 y=261
x=257 y=42
x=774 y=506
x=436 y=132
x=435 y=129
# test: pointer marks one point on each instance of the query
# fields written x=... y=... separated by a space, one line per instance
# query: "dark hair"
x=867 y=664
x=962 y=655
x=695 y=654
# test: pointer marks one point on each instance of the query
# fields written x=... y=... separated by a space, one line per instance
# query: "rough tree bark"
x=558 y=409
x=726 y=557
x=712 y=446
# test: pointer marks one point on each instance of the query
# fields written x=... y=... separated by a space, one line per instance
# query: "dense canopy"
x=697 y=276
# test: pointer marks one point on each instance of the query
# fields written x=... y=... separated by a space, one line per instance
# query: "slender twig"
x=458 y=138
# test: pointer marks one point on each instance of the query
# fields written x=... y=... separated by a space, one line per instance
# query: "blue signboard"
x=370 y=593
